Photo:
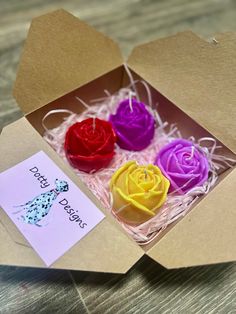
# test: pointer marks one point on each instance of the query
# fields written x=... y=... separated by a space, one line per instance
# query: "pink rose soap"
x=184 y=164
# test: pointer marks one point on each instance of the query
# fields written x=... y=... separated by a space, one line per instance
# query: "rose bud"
x=89 y=145
x=138 y=192
x=133 y=124
x=185 y=165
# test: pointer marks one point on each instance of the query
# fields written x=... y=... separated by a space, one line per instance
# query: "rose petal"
x=122 y=181
x=134 y=186
x=73 y=144
x=90 y=163
x=128 y=211
x=144 y=139
x=189 y=169
x=173 y=164
x=165 y=189
x=107 y=146
x=123 y=142
x=135 y=203
x=147 y=200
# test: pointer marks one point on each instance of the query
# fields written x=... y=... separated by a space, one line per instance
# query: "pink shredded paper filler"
x=176 y=206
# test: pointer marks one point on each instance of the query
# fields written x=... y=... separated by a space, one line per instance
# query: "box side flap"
x=61 y=53
x=199 y=77
x=107 y=253
x=206 y=235
x=106 y=248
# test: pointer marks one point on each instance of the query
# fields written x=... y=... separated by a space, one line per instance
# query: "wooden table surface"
x=148 y=287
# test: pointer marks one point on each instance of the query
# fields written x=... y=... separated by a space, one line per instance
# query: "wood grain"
x=147 y=288
x=25 y=290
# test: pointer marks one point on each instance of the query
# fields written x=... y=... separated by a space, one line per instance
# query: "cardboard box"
x=194 y=83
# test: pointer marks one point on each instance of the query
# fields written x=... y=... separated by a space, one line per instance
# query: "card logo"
x=39 y=206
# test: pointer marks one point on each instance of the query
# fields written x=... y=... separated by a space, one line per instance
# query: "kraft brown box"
x=194 y=83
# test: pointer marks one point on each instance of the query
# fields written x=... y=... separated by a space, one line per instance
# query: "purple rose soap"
x=185 y=165
x=133 y=124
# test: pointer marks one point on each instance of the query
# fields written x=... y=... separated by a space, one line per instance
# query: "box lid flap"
x=204 y=236
x=198 y=76
x=61 y=53
x=106 y=248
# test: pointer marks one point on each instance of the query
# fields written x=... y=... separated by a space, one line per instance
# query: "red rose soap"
x=89 y=144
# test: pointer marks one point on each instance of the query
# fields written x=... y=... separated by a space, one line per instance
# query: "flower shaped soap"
x=138 y=192
x=89 y=145
x=183 y=164
x=133 y=124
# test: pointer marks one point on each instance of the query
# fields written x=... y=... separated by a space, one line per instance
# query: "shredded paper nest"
x=175 y=206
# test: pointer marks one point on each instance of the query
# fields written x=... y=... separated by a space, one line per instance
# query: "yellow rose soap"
x=138 y=192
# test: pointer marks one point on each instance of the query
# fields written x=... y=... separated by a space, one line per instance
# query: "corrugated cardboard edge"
x=206 y=235
x=61 y=53
x=106 y=248
x=197 y=76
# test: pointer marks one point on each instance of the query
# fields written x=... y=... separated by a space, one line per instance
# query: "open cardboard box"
x=194 y=83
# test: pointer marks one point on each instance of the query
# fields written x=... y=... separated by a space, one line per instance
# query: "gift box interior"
x=190 y=91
